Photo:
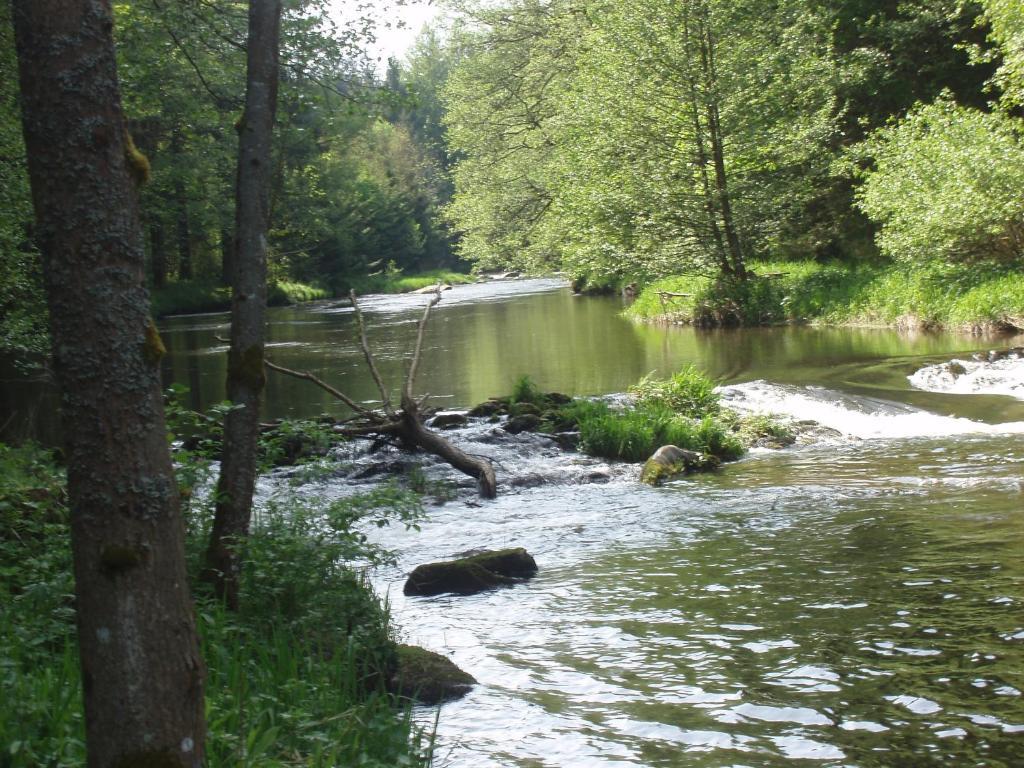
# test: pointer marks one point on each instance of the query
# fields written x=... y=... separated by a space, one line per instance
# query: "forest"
x=711 y=259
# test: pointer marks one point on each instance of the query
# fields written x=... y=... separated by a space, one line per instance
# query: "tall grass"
x=396 y=282
x=682 y=411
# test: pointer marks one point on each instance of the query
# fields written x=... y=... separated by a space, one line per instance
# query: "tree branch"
x=384 y=396
x=365 y=412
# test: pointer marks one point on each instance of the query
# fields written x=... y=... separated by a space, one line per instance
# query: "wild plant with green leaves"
x=688 y=393
x=295 y=678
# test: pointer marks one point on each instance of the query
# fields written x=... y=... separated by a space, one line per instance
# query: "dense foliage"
x=623 y=142
x=360 y=168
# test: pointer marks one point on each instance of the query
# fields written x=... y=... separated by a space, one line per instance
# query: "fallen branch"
x=406 y=424
x=366 y=412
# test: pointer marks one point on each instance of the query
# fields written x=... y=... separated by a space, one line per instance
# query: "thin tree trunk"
x=703 y=161
x=227 y=256
x=142 y=675
x=183 y=229
x=717 y=148
x=246 y=376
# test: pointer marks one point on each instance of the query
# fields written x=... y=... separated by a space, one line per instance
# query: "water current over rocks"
x=857 y=600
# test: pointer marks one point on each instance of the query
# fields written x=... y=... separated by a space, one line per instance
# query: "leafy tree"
x=619 y=139
x=1006 y=18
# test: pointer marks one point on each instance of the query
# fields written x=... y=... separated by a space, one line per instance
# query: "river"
x=856 y=602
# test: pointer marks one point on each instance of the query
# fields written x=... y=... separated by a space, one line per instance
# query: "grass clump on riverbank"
x=971 y=297
x=396 y=282
x=188 y=297
x=295 y=678
x=193 y=296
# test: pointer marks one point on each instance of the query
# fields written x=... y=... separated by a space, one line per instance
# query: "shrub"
x=946 y=185
x=688 y=393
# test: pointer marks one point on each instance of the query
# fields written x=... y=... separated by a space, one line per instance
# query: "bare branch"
x=415 y=364
x=384 y=396
x=366 y=412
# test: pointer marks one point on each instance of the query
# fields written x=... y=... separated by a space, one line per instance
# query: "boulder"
x=488 y=408
x=523 y=409
x=567 y=441
x=528 y=422
x=449 y=421
x=469 y=575
x=670 y=460
x=427 y=677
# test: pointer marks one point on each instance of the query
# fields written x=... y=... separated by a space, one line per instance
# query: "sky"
x=398 y=25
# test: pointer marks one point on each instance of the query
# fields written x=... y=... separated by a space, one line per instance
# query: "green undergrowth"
x=970 y=297
x=296 y=678
x=194 y=296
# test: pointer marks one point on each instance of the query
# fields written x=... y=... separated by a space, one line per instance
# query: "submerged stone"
x=427 y=677
x=527 y=422
x=469 y=575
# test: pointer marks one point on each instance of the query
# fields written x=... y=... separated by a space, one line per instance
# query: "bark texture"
x=141 y=671
x=246 y=376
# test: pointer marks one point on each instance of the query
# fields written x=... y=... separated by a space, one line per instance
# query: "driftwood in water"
x=404 y=424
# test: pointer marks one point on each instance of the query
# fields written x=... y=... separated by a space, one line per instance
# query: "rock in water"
x=670 y=460
x=528 y=422
x=449 y=421
x=427 y=677
x=469 y=575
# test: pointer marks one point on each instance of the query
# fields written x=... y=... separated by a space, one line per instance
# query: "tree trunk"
x=246 y=375
x=703 y=161
x=227 y=255
x=142 y=675
x=157 y=255
x=184 y=231
x=738 y=266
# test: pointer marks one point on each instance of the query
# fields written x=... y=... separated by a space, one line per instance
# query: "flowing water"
x=855 y=602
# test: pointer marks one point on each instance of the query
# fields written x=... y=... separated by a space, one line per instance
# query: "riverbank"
x=300 y=675
x=971 y=298
x=195 y=296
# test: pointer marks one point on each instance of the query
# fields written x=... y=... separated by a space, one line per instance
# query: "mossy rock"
x=524 y=409
x=670 y=460
x=488 y=408
x=427 y=677
x=527 y=422
x=469 y=575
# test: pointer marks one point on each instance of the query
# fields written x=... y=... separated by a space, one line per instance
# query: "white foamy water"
x=973 y=377
x=852 y=415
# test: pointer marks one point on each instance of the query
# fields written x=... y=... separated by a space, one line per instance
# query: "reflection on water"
x=481 y=337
